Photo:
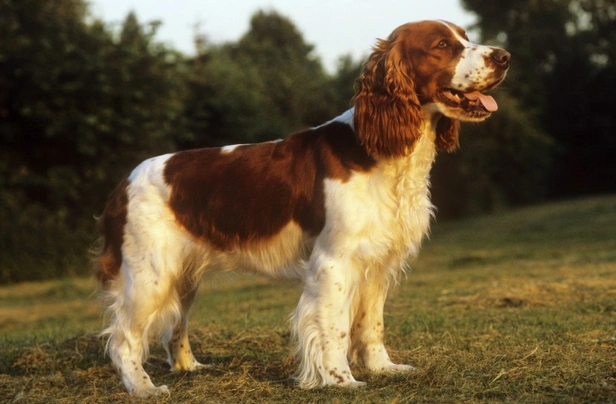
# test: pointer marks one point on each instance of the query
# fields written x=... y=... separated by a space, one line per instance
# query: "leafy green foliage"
x=263 y=87
x=79 y=108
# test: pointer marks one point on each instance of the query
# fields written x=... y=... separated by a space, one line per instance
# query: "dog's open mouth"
x=473 y=102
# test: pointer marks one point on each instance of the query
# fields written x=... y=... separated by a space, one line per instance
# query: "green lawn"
x=518 y=306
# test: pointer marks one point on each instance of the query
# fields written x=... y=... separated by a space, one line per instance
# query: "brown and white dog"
x=341 y=207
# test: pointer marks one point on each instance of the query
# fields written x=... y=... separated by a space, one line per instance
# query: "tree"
x=342 y=84
x=266 y=86
x=78 y=109
x=228 y=102
x=294 y=75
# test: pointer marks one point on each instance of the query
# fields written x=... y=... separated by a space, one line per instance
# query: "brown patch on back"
x=111 y=226
x=249 y=194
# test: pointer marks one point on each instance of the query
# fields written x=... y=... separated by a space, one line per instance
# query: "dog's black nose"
x=501 y=57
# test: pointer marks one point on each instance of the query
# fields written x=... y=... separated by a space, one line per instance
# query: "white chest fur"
x=381 y=217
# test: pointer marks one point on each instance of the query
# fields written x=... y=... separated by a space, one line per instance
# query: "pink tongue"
x=488 y=102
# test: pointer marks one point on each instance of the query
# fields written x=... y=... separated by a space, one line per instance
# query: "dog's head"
x=424 y=68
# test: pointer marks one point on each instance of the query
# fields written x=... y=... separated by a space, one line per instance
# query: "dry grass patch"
x=574 y=288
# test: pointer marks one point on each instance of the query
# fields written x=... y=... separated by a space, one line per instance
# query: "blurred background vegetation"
x=81 y=103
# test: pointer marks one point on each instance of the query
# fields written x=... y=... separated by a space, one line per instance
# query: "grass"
x=519 y=307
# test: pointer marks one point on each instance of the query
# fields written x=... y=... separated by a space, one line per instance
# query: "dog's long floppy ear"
x=387 y=111
x=447 y=134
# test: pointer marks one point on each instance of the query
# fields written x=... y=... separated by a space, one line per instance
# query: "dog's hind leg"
x=143 y=299
x=140 y=301
x=175 y=338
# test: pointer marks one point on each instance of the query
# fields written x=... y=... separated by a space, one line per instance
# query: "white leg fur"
x=321 y=323
x=155 y=306
x=134 y=314
x=368 y=328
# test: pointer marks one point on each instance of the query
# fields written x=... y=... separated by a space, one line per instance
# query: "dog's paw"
x=390 y=367
x=151 y=391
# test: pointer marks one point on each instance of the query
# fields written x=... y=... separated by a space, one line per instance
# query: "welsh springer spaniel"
x=341 y=207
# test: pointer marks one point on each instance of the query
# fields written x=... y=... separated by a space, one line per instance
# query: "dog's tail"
x=108 y=258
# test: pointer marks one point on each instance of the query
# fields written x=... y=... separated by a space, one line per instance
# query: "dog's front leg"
x=367 y=333
x=321 y=324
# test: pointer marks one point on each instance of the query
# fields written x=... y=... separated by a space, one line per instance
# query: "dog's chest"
x=411 y=209
x=383 y=215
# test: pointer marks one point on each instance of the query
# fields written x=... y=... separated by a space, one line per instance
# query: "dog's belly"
x=281 y=256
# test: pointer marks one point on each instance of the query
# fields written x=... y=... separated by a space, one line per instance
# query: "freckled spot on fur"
x=342 y=335
x=340 y=379
x=335 y=375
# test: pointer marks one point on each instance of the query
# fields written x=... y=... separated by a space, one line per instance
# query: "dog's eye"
x=442 y=44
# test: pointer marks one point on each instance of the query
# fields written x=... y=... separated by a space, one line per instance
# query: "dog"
x=341 y=207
